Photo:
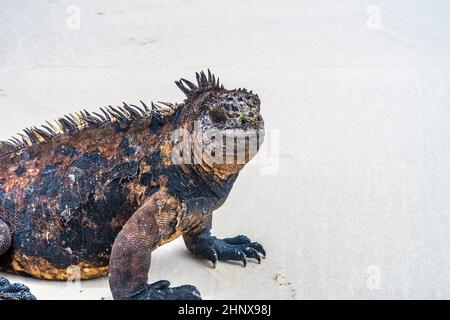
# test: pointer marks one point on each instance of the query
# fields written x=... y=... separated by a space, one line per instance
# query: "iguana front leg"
x=10 y=291
x=151 y=226
x=200 y=242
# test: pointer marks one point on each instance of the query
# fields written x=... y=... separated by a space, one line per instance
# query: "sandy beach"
x=350 y=195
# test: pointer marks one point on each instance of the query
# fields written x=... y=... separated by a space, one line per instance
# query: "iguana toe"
x=14 y=291
x=240 y=239
x=160 y=290
x=246 y=242
x=239 y=248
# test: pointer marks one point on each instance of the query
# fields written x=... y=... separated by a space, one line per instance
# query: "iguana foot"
x=160 y=290
x=14 y=291
x=238 y=248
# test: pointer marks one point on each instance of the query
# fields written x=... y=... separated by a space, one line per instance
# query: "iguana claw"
x=238 y=248
x=14 y=291
x=160 y=290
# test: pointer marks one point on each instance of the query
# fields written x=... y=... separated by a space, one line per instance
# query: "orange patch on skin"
x=166 y=152
x=137 y=191
x=144 y=167
x=171 y=238
x=223 y=171
x=29 y=175
x=40 y=268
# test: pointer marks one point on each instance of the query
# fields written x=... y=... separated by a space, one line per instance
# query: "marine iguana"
x=97 y=192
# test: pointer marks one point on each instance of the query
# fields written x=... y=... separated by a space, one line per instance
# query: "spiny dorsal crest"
x=122 y=114
x=84 y=119
x=204 y=83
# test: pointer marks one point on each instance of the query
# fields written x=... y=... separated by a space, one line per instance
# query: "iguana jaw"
x=228 y=152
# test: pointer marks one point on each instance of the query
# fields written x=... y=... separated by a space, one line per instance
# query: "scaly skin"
x=99 y=192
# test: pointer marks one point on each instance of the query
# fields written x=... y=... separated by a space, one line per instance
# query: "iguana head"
x=227 y=124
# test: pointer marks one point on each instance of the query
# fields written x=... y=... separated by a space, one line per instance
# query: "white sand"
x=359 y=206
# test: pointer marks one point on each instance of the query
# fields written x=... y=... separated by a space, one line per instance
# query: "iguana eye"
x=217 y=116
